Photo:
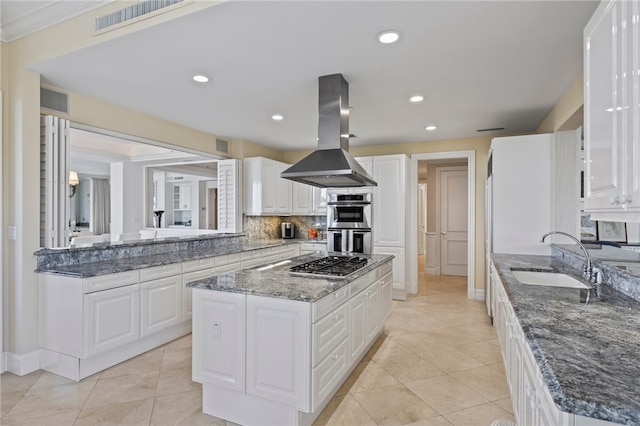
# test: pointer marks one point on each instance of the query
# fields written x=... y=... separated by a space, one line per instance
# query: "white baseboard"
x=478 y=294
x=432 y=270
x=21 y=364
x=3 y=363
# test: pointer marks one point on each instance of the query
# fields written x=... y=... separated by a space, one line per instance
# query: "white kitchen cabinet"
x=187 y=292
x=160 y=304
x=390 y=213
x=278 y=351
x=386 y=290
x=532 y=402
x=389 y=200
x=302 y=198
x=219 y=339
x=612 y=111
x=319 y=201
x=366 y=163
x=111 y=319
x=265 y=192
x=399 y=269
x=295 y=356
x=182 y=196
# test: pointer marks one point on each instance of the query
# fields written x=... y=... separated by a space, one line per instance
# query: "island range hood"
x=331 y=165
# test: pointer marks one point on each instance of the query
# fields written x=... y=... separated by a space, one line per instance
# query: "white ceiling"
x=479 y=64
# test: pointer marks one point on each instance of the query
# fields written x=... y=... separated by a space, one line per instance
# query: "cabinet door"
x=604 y=109
x=373 y=311
x=187 y=299
x=161 y=304
x=111 y=318
x=319 y=201
x=389 y=200
x=357 y=326
x=366 y=163
x=603 y=143
x=283 y=190
x=269 y=188
x=279 y=351
x=302 y=198
x=219 y=339
x=399 y=285
x=386 y=287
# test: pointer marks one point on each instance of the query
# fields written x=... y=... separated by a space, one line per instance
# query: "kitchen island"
x=568 y=362
x=273 y=347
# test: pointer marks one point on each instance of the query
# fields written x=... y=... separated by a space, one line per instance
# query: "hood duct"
x=331 y=165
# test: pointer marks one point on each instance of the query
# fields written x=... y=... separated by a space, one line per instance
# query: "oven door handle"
x=345 y=238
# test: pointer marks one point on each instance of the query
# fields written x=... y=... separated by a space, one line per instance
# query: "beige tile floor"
x=437 y=363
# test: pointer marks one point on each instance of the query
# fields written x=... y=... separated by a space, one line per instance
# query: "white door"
x=453 y=220
x=422 y=218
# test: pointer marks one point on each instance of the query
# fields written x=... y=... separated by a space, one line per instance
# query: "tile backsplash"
x=268 y=227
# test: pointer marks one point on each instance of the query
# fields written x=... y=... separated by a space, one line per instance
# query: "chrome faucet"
x=587 y=270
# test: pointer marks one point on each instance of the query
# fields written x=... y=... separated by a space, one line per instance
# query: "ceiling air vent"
x=56 y=101
x=222 y=145
x=493 y=129
x=141 y=10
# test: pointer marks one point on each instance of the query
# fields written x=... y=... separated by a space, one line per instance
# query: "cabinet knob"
x=335 y=357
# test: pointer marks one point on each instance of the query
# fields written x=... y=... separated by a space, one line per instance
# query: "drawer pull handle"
x=335 y=357
x=335 y=317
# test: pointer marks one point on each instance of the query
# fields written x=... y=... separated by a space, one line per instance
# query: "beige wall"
x=567 y=114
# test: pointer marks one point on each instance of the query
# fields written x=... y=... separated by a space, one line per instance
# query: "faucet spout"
x=588 y=267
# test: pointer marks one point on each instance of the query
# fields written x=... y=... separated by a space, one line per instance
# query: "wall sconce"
x=73 y=183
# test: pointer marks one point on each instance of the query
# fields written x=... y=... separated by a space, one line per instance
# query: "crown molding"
x=45 y=15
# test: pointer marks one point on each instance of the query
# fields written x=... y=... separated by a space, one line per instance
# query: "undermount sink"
x=550 y=279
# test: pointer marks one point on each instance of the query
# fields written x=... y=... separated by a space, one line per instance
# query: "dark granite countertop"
x=113 y=266
x=588 y=358
x=279 y=283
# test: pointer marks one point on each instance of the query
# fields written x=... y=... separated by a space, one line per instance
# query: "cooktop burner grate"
x=333 y=266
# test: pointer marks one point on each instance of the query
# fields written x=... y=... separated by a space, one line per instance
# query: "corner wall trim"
x=21 y=364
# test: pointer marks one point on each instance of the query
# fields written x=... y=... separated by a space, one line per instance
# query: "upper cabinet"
x=266 y=193
x=612 y=111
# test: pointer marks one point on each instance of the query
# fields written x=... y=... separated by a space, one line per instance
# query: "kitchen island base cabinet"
x=292 y=355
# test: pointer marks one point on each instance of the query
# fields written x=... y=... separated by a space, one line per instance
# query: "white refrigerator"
x=518 y=199
x=519 y=194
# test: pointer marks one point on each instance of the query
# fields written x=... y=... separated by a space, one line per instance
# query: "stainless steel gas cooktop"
x=331 y=266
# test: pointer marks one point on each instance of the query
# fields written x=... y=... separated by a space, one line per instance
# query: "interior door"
x=453 y=220
x=212 y=208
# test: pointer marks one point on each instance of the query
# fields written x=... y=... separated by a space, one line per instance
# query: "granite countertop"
x=588 y=358
x=92 y=269
x=279 y=283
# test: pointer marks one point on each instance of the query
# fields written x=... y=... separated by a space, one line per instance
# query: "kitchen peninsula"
x=271 y=346
x=104 y=304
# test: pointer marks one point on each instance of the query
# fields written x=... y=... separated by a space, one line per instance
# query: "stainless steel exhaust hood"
x=331 y=165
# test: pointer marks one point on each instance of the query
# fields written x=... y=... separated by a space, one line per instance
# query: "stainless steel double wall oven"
x=349 y=222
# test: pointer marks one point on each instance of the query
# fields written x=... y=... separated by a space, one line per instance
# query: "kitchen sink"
x=550 y=279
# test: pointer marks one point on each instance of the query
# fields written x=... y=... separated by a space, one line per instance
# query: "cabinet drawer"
x=197 y=265
x=105 y=282
x=226 y=259
x=252 y=254
x=157 y=272
x=328 y=303
x=329 y=332
x=328 y=373
x=363 y=282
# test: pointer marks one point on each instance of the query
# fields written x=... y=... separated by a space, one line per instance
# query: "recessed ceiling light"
x=431 y=127
x=201 y=78
x=389 y=36
x=277 y=117
x=416 y=98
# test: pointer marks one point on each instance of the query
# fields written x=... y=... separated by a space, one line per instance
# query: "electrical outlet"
x=217 y=330
x=12 y=233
